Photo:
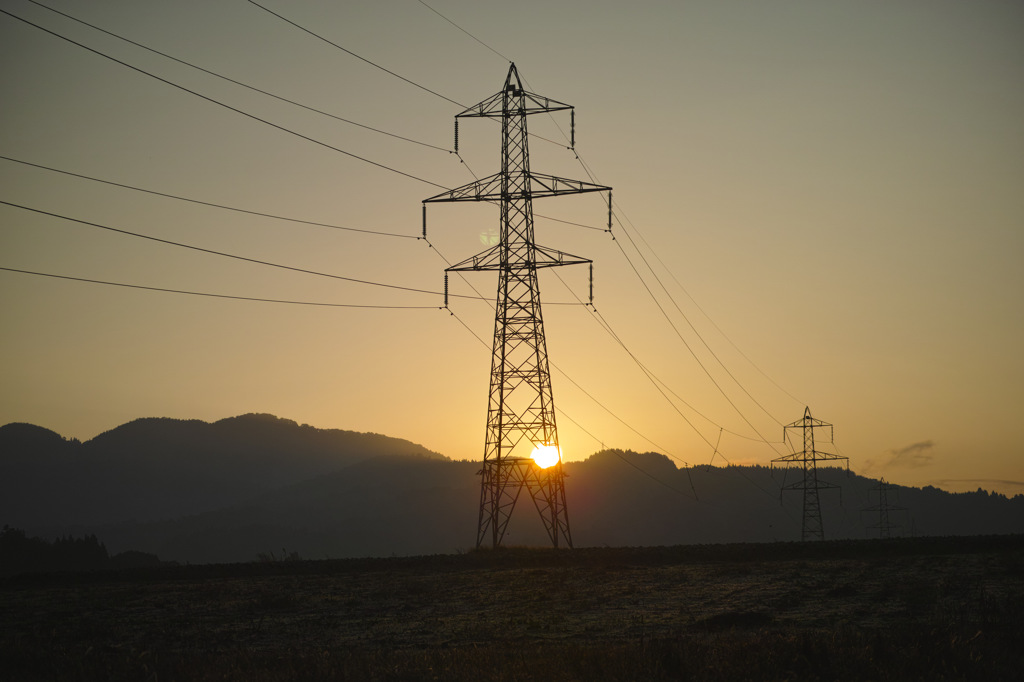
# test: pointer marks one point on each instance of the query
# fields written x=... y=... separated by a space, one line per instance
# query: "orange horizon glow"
x=545 y=456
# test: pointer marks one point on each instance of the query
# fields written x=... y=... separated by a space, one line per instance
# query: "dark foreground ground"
x=927 y=609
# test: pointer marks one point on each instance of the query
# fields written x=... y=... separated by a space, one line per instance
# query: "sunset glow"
x=852 y=143
x=545 y=455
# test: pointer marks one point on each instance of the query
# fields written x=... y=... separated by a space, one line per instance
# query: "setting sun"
x=545 y=455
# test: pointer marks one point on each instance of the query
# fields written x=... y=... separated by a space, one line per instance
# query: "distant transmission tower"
x=884 y=525
x=521 y=446
x=809 y=483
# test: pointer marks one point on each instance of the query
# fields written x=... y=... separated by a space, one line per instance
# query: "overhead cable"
x=692 y=327
x=228 y=296
x=593 y=179
x=229 y=255
x=606 y=326
x=706 y=316
x=347 y=51
x=245 y=258
x=464 y=31
x=612 y=450
x=240 y=83
x=222 y=104
x=373 y=64
x=207 y=203
x=555 y=366
x=687 y=345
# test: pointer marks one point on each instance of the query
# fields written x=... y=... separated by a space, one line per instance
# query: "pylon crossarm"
x=494 y=107
x=829 y=457
x=490 y=260
x=485 y=260
x=484 y=189
x=540 y=186
x=551 y=186
x=807 y=421
x=549 y=258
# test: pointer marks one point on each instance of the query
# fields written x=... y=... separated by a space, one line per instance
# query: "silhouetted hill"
x=18 y=438
x=387 y=505
x=395 y=505
x=188 y=490
x=152 y=469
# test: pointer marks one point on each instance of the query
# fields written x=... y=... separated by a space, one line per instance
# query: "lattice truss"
x=807 y=459
x=521 y=409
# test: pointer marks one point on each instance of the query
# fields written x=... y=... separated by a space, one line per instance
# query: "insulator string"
x=591 y=284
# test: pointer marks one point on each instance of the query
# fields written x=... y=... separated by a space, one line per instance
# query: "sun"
x=545 y=455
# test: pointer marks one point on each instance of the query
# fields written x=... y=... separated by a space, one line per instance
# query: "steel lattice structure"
x=521 y=408
x=884 y=525
x=809 y=483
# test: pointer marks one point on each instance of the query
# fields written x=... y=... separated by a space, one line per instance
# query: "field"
x=924 y=609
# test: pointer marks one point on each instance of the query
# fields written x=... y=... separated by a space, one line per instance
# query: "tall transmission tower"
x=809 y=482
x=884 y=525
x=521 y=450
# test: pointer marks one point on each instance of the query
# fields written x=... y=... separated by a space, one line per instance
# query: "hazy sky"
x=830 y=194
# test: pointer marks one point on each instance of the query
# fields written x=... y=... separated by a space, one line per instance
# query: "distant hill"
x=151 y=469
x=394 y=505
x=254 y=485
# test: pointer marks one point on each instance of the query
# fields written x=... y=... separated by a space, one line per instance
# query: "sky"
x=816 y=205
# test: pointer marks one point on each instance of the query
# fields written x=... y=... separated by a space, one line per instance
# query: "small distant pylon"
x=521 y=450
x=884 y=525
x=812 y=527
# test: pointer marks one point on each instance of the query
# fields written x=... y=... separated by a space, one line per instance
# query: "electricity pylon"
x=521 y=407
x=809 y=483
x=884 y=525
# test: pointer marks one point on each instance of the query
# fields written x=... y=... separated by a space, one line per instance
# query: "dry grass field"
x=927 y=609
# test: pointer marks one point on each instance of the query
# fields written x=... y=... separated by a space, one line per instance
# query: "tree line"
x=20 y=553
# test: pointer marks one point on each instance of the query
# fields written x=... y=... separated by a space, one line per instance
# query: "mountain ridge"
x=256 y=484
x=155 y=468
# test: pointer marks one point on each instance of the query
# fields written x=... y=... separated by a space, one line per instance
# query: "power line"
x=593 y=179
x=676 y=330
x=646 y=371
x=244 y=85
x=560 y=370
x=590 y=174
x=207 y=203
x=699 y=363
x=569 y=222
x=656 y=381
x=222 y=104
x=210 y=295
x=229 y=255
x=606 y=326
x=347 y=51
x=698 y=334
x=671 y=298
x=374 y=64
x=706 y=316
x=671 y=324
x=245 y=258
x=464 y=31
x=598 y=440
